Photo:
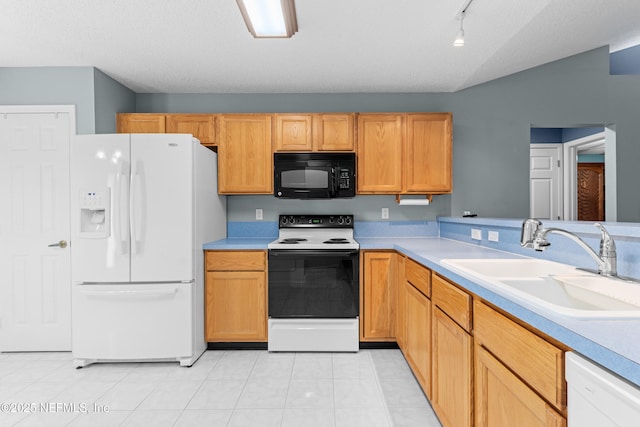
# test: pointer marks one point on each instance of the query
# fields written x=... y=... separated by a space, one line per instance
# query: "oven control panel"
x=316 y=221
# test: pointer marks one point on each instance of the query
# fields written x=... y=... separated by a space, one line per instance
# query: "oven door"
x=313 y=283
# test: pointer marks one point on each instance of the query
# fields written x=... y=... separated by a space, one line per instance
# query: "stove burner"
x=292 y=240
x=336 y=240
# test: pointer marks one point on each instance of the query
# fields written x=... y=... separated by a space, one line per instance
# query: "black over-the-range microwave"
x=314 y=175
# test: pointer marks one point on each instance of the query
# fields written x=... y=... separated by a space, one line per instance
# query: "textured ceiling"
x=203 y=46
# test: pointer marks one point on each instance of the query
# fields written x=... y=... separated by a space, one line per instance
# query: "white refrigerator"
x=142 y=207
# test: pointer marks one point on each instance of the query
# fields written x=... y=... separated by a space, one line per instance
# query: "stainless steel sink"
x=555 y=288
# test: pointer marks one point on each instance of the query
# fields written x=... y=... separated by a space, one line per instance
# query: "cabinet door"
x=243 y=260
x=542 y=369
x=245 y=163
x=334 y=132
x=140 y=123
x=451 y=371
x=377 y=297
x=380 y=139
x=502 y=399
x=418 y=336
x=236 y=306
x=293 y=132
x=428 y=152
x=400 y=326
x=201 y=126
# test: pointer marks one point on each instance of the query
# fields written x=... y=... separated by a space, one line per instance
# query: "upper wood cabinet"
x=427 y=153
x=314 y=132
x=294 y=132
x=201 y=126
x=245 y=163
x=404 y=153
x=380 y=139
x=334 y=132
x=140 y=123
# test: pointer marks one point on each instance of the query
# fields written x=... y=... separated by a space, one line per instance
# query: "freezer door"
x=162 y=208
x=100 y=208
x=132 y=322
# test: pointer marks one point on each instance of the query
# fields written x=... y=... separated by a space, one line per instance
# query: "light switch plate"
x=259 y=214
x=476 y=234
x=493 y=236
x=385 y=213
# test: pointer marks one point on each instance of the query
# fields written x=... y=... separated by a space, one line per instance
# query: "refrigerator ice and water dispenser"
x=94 y=213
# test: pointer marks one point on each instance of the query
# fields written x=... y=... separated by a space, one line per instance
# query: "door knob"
x=61 y=244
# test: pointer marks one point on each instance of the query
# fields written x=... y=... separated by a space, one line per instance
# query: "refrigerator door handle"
x=120 y=224
x=132 y=209
x=130 y=293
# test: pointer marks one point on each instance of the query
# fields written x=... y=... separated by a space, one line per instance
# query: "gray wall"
x=491 y=128
x=51 y=86
x=492 y=123
x=111 y=98
x=280 y=103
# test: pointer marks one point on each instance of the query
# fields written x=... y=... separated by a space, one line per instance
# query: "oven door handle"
x=313 y=252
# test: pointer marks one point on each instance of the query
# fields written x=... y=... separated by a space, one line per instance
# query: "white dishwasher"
x=598 y=398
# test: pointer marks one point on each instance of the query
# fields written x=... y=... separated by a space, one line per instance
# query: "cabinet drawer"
x=538 y=362
x=455 y=302
x=418 y=276
x=235 y=261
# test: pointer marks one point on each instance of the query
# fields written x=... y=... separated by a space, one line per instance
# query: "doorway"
x=578 y=144
x=591 y=205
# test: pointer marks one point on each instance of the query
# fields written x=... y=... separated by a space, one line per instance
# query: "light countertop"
x=614 y=344
x=239 y=243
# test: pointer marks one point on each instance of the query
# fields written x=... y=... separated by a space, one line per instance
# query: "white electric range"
x=314 y=284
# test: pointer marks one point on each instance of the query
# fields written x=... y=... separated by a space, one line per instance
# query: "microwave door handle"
x=335 y=182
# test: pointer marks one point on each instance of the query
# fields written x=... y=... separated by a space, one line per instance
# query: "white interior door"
x=35 y=291
x=545 y=174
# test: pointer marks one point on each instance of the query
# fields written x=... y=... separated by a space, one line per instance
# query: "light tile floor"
x=224 y=388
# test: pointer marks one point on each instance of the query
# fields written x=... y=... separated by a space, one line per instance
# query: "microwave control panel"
x=344 y=179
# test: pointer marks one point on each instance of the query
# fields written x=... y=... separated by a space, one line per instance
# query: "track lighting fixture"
x=459 y=41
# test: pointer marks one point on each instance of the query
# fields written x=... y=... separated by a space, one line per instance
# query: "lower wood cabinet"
x=452 y=371
x=417 y=345
x=502 y=399
x=236 y=296
x=519 y=375
x=377 y=296
x=452 y=354
x=401 y=291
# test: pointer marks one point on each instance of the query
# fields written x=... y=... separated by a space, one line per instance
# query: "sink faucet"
x=534 y=236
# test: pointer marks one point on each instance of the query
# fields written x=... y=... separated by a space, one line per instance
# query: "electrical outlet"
x=259 y=214
x=476 y=234
x=493 y=236
x=385 y=213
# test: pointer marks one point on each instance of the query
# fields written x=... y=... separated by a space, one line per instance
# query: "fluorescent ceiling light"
x=269 y=18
